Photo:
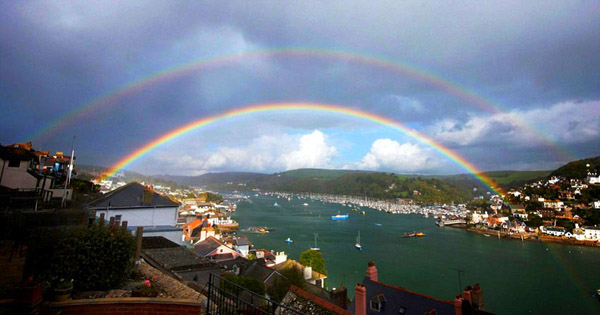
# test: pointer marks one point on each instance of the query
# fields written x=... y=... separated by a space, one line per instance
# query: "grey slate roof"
x=259 y=272
x=397 y=298
x=206 y=246
x=153 y=242
x=130 y=196
x=177 y=259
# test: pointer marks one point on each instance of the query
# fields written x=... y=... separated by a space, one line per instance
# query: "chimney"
x=372 y=271
x=477 y=297
x=307 y=273
x=360 y=299
x=466 y=294
x=339 y=296
x=458 y=305
x=148 y=195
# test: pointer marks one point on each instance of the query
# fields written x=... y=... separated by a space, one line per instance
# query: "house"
x=242 y=245
x=23 y=169
x=213 y=249
x=553 y=230
x=140 y=205
x=374 y=297
x=554 y=204
x=177 y=261
x=592 y=233
x=310 y=276
x=257 y=270
x=593 y=178
x=190 y=228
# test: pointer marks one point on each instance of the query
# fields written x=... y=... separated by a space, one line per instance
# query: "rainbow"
x=387 y=64
x=328 y=108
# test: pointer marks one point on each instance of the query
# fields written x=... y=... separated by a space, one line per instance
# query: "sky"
x=506 y=85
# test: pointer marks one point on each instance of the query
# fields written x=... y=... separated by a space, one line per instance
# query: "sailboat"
x=315 y=248
x=357 y=245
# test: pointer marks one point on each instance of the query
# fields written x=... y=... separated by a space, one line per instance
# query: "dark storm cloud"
x=57 y=56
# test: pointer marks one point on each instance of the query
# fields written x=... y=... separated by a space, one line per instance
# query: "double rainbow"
x=415 y=73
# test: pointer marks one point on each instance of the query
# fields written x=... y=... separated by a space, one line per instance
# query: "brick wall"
x=126 y=306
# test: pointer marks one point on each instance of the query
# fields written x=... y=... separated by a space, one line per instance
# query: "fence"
x=226 y=297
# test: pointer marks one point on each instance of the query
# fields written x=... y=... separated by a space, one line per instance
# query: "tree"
x=281 y=285
x=313 y=259
x=249 y=283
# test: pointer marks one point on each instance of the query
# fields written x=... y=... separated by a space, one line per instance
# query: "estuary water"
x=517 y=277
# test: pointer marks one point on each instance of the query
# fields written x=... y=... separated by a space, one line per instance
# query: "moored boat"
x=339 y=217
x=289 y=241
x=357 y=244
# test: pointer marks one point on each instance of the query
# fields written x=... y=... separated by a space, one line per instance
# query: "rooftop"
x=132 y=196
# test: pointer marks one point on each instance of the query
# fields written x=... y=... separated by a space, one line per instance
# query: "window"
x=376 y=306
x=118 y=219
x=14 y=163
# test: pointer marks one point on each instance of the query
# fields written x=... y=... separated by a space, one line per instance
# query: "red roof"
x=319 y=301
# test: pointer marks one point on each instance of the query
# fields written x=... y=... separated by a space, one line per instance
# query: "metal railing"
x=225 y=297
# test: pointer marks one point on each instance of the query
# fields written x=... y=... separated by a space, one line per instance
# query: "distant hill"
x=578 y=169
x=214 y=178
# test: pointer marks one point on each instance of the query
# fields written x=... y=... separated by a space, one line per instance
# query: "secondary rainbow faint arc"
x=377 y=61
x=216 y=61
x=453 y=156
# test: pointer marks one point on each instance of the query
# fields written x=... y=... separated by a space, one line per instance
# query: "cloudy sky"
x=505 y=85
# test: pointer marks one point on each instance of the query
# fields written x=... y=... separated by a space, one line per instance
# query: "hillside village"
x=185 y=237
x=168 y=251
x=558 y=209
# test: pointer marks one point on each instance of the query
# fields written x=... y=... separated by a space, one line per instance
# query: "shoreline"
x=534 y=237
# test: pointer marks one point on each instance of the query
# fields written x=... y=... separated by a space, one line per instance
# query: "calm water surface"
x=516 y=277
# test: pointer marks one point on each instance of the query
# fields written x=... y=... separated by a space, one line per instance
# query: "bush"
x=96 y=258
x=249 y=283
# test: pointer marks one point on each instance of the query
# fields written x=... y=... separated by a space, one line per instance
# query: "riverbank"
x=535 y=237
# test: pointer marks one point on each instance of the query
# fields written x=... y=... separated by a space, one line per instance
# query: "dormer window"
x=376 y=303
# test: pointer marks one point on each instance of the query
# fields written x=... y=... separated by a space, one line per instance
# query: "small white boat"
x=289 y=241
x=305 y=204
x=357 y=245
x=315 y=248
x=276 y=205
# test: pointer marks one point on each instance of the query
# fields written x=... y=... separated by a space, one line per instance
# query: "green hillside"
x=578 y=169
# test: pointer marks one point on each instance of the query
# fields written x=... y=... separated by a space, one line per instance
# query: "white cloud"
x=387 y=154
x=312 y=151
x=566 y=122
x=270 y=153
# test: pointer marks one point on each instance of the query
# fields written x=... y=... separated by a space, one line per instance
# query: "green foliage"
x=369 y=184
x=96 y=258
x=577 y=169
x=590 y=216
x=313 y=259
x=83 y=186
x=566 y=223
x=210 y=197
x=281 y=285
x=251 y=256
x=249 y=283
x=534 y=220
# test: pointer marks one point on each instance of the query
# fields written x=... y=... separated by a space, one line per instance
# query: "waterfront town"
x=186 y=240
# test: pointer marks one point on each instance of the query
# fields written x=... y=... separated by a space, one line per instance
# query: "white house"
x=140 y=206
x=593 y=178
x=592 y=233
x=22 y=168
x=553 y=230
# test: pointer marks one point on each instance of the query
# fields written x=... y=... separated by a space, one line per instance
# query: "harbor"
x=427 y=264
